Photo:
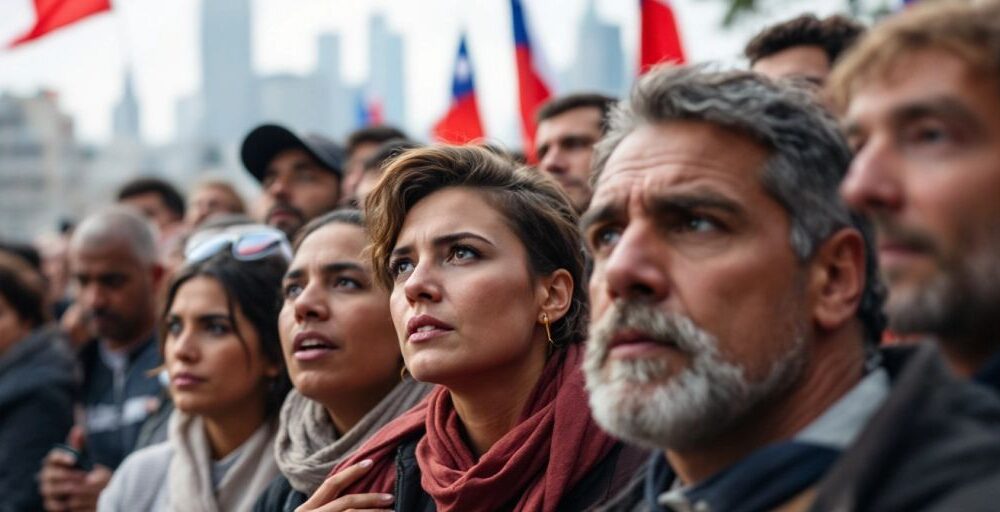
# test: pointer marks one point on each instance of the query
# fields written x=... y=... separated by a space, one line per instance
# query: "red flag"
x=461 y=124
x=532 y=90
x=660 y=41
x=54 y=14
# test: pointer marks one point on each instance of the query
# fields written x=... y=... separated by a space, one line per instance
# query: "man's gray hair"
x=808 y=160
x=118 y=224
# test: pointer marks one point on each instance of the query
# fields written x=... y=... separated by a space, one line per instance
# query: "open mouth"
x=425 y=327
x=309 y=346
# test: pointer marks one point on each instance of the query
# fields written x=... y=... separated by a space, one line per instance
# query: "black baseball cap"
x=267 y=140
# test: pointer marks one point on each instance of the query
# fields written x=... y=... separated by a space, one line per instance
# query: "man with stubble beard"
x=300 y=175
x=113 y=259
x=736 y=317
x=920 y=99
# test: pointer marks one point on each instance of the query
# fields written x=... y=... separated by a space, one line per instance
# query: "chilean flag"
x=532 y=90
x=660 y=41
x=54 y=14
x=461 y=124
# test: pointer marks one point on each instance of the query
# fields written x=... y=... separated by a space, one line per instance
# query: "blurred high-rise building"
x=125 y=120
x=386 y=73
x=293 y=100
x=339 y=97
x=229 y=105
x=38 y=167
x=599 y=65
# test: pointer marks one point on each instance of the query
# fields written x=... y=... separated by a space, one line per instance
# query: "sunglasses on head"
x=247 y=243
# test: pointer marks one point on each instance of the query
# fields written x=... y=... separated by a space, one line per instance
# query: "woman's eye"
x=292 y=291
x=348 y=283
x=217 y=328
x=174 y=328
x=400 y=267
x=463 y=253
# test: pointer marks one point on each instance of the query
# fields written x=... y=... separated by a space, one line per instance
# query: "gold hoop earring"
x=548 y=331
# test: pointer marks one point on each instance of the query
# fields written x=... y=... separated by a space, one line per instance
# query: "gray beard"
x=638 y=401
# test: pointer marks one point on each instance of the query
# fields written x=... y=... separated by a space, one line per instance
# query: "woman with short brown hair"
x=485 y=266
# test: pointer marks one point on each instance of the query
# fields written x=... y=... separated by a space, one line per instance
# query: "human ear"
x=555 y=294
x=837 y=278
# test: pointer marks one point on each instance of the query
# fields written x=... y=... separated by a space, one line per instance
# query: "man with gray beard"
x=922 y=110
x=736 y=317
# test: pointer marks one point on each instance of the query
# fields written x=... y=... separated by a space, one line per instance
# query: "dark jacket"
x=618 y=467
x=280 y=496
x=934 y=445
x=117 y=403
x=37 y=386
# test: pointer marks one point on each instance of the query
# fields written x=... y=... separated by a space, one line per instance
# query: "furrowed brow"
x=691 y=201
x=454 y=237
x=602 y=213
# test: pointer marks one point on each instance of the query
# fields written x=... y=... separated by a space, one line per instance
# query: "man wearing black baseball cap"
x=300 y=175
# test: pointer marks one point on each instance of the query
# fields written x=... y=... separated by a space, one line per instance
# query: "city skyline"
x=284 y=42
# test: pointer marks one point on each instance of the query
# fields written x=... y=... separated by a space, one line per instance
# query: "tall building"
x=37 y=170
x=229 y=105
x=338 y=97
x=386 y=75
x=125 y=121
x=293 y=100
x=599 y=65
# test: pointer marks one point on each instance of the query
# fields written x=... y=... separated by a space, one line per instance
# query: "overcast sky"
x=159 y=39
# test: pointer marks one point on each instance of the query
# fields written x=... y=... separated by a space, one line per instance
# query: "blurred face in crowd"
x=55 y=266
x=354 y=168
x=366 y=185
x=115 y=289
x=565 y=144
x=210 y=200
x=297 y=188
x=464 y=302
x=13 y=328
x=336 y=333
x=151 y=206
x=215 y=366
x=805 y=63
x=698 y=299
x=927 y=171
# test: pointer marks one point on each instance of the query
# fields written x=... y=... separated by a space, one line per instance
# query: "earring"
x=548 y=331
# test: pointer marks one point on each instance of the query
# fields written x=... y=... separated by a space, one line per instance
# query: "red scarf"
x=553 y=446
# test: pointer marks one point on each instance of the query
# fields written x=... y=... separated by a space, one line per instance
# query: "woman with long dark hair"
x=221 y=350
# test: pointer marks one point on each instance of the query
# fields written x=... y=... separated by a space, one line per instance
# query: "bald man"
x=113 y=258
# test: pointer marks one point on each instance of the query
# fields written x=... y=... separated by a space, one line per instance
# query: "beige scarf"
x=307 y=447
x=190 y=473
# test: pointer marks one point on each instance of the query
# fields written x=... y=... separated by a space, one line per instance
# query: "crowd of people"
x=771 y=289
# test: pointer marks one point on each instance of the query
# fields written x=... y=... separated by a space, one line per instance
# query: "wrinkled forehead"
x=660 y=157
